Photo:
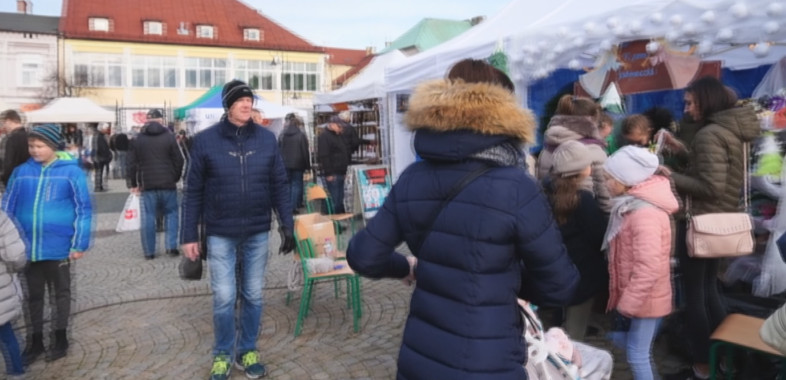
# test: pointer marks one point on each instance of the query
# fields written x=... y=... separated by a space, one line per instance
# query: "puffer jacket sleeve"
x=10 y=195
x=372 y=253
x=304 y=153
x=12 y=247
x=193 y=194
x=773 y=331
x=709 y=167
x=83 y=224
x=176 y=156
x=279 y=184
x=549 y=277
x=647 y=253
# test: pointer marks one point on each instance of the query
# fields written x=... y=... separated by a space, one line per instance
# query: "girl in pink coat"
x=638 y=239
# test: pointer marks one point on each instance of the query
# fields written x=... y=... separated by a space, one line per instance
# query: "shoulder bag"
x=718 y=235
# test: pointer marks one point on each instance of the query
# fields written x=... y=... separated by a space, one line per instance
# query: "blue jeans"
x=637 y=343
x=150 y=202
x=336 y=190
x=296 y=187
x=10 y=347
x=223 y=253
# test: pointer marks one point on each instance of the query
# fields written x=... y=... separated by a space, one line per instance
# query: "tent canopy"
x=368 y=84
x=212 y=99
x=71 y=110
x=540 y=37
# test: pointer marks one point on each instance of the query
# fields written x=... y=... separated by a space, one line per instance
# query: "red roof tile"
x=228 y=18
x=338 y=82
x=346 y=57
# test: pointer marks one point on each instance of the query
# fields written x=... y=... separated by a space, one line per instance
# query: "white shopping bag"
x=129 y=217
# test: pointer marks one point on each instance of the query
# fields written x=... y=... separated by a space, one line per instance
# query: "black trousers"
x=99 y=174
x=704 y=307
x=55 y=276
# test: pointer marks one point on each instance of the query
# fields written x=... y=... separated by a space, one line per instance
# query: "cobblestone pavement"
x=135 y=319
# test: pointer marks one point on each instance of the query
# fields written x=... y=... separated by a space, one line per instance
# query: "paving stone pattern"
x=135 y=319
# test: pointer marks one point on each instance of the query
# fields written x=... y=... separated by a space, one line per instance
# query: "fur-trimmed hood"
x=582 y=125
x=447 y=106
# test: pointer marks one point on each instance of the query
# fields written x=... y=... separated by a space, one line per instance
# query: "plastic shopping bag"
x=129 y=217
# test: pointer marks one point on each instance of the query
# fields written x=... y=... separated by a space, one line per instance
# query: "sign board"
x=638 y=71
x=372 y=185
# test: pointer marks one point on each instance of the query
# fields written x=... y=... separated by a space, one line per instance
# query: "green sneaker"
x=249 y=363
x=221 y=367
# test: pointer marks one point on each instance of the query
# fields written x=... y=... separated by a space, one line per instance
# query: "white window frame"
x=98 y=24
x=154 y=28
x=154 y=71
x=36 y=75
x=302 y=72
x=252 y=34
x=205 y=31
x=264 y=71
x=215 y=70
x=98 y=69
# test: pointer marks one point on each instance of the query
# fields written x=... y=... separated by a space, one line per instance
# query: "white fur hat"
x=631 y=165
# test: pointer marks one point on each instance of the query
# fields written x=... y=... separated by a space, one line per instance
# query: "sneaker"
x=249 y=363
x=221 y=368
x=150 y=257
x=173 y=252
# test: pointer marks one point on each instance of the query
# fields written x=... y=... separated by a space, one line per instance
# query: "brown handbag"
x=718 y=235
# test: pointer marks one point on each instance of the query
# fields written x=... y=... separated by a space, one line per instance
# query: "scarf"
x=622 y=205
x=505 y=154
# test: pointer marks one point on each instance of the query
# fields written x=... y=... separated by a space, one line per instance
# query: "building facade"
x=28 y=56
x=144 y=54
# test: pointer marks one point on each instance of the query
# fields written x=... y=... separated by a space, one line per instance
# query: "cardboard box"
x=320 y=230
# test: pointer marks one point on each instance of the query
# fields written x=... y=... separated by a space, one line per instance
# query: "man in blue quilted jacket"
x=236 y=177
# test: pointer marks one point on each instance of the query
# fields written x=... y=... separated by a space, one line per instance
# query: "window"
x=151 y=71
x=204 y=31
x=154 y=27
x=251 y=34
x=300 y=76
x=98 y=70
x=205 y=72
x=258 y=74
x=98 y=24
x=31 y=71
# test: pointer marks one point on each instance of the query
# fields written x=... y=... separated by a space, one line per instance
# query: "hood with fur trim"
x=449 y=106
x=584 y=126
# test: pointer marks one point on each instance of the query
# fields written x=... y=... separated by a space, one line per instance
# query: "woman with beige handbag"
x=713 y=182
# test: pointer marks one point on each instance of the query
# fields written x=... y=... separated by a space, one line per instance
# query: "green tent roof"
x=428 y=33
x=180 y=113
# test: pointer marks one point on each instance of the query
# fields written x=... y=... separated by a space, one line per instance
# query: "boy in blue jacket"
x=49 y=199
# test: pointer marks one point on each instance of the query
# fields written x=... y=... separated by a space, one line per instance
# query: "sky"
x=354 y=24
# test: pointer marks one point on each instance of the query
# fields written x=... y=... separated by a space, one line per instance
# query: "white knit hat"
x=631 y=165
x=570 y=157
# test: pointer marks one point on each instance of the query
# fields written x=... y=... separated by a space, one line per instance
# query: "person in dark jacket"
x=333 y=158
x=118 y=143
x=293 y=145
x=14 y=144
x=101 y=156
x=493 y=243
x=155 y=164
x=349 y=133
x=235 y=179
x=582 y=225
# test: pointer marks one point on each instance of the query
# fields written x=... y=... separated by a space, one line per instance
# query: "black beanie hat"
x=155 y=113
x=233 y=91
x=49 y=134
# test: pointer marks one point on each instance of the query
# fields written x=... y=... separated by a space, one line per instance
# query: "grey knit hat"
x=570 y=157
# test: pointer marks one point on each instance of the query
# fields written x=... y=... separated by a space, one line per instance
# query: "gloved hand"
x=287 y=241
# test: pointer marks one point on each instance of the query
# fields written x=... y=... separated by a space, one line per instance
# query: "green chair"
x=305 y=250
x=738 y=331
x=316 y=194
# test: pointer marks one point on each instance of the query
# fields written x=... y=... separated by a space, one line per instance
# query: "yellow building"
x=143 y=54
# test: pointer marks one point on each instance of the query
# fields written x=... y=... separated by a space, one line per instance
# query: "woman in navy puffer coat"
x=494 y=242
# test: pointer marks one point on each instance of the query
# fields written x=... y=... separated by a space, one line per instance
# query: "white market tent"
x=540 y=37
x=71 y=110
x=554 y=33
x=368 y=84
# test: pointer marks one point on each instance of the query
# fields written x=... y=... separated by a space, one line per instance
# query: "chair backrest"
x=302 y=240
x=317 y=193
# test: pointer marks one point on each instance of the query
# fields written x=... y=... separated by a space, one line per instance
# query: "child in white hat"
x=638 y=239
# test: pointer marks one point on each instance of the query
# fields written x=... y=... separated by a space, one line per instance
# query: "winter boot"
x=34 y=349
x=60 y=348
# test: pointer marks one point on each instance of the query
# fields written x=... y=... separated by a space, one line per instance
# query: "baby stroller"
x=553 y=356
